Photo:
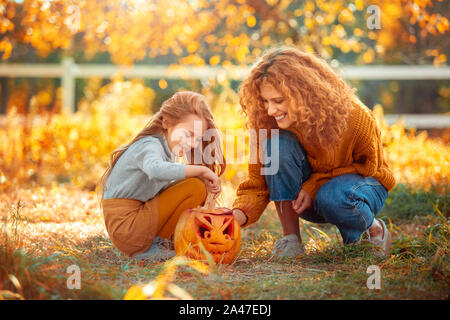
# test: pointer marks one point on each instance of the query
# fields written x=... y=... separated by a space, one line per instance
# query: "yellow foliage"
x=251 y=21
x=163 y=284
x=414 y=158
x=131 y=30
x=50 y=147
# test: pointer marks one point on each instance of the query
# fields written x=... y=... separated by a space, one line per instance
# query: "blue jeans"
x=349 y=201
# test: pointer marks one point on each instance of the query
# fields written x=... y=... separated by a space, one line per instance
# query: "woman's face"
x=185 y=135
x=276 y=105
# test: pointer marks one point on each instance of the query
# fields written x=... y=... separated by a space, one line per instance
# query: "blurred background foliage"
x=200 y=32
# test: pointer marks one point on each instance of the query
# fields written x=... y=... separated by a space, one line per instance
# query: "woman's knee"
x=284 y=144
x=289 y=167
x=338 y=207
x=337 y=194
x=283 y=152
x=325 y=203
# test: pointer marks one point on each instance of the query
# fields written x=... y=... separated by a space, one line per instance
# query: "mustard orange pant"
x=133 y=224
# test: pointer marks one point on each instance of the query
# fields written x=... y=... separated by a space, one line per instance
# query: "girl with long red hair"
x=144 y=190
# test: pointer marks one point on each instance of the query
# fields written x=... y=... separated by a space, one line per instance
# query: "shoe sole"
x=153 y=257
x=298 y=254
x=388 y=243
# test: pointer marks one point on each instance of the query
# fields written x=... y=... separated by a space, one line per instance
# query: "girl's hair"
x=319 y=101
x=174 y=110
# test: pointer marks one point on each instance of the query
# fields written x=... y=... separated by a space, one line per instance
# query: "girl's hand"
x=211 y=180
x=302 y=202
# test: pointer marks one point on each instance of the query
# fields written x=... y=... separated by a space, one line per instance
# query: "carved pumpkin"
x=216 y=229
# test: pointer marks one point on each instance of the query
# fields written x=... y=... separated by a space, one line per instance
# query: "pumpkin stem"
x=209 y=202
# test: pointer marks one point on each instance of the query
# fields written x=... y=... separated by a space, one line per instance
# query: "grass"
x=406 y=202
x=35 y=254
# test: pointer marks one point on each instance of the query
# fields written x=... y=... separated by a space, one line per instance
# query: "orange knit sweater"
x=359 y=151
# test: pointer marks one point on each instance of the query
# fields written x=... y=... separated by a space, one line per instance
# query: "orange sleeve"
x=252 y=195
x=367 y=157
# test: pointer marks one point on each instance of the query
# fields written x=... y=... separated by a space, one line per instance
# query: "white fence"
x=68 y=71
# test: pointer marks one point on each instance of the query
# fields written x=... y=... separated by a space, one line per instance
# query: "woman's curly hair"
x=319 y=100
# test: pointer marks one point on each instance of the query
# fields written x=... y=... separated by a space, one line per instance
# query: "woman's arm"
x=252 y=197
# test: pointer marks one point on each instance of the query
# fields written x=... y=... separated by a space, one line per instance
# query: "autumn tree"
x=225 y=31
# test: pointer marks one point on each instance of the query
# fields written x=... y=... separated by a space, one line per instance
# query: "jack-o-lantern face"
x=216 y=229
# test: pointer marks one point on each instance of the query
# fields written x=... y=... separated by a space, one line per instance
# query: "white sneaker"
x=288 y=246
x=159 y=250
x=382 y=243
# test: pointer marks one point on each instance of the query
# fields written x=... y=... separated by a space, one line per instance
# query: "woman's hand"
x=302 y=202
x=239 y=216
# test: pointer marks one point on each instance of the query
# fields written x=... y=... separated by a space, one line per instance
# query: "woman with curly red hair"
x=330 y=154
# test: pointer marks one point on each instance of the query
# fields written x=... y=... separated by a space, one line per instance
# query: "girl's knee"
x=195 y=188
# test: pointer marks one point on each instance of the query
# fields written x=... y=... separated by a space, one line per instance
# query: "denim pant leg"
x=351 y=202
x=293 y=170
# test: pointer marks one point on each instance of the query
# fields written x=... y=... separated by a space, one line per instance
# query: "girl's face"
x=276 y=105
x=185 y=135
